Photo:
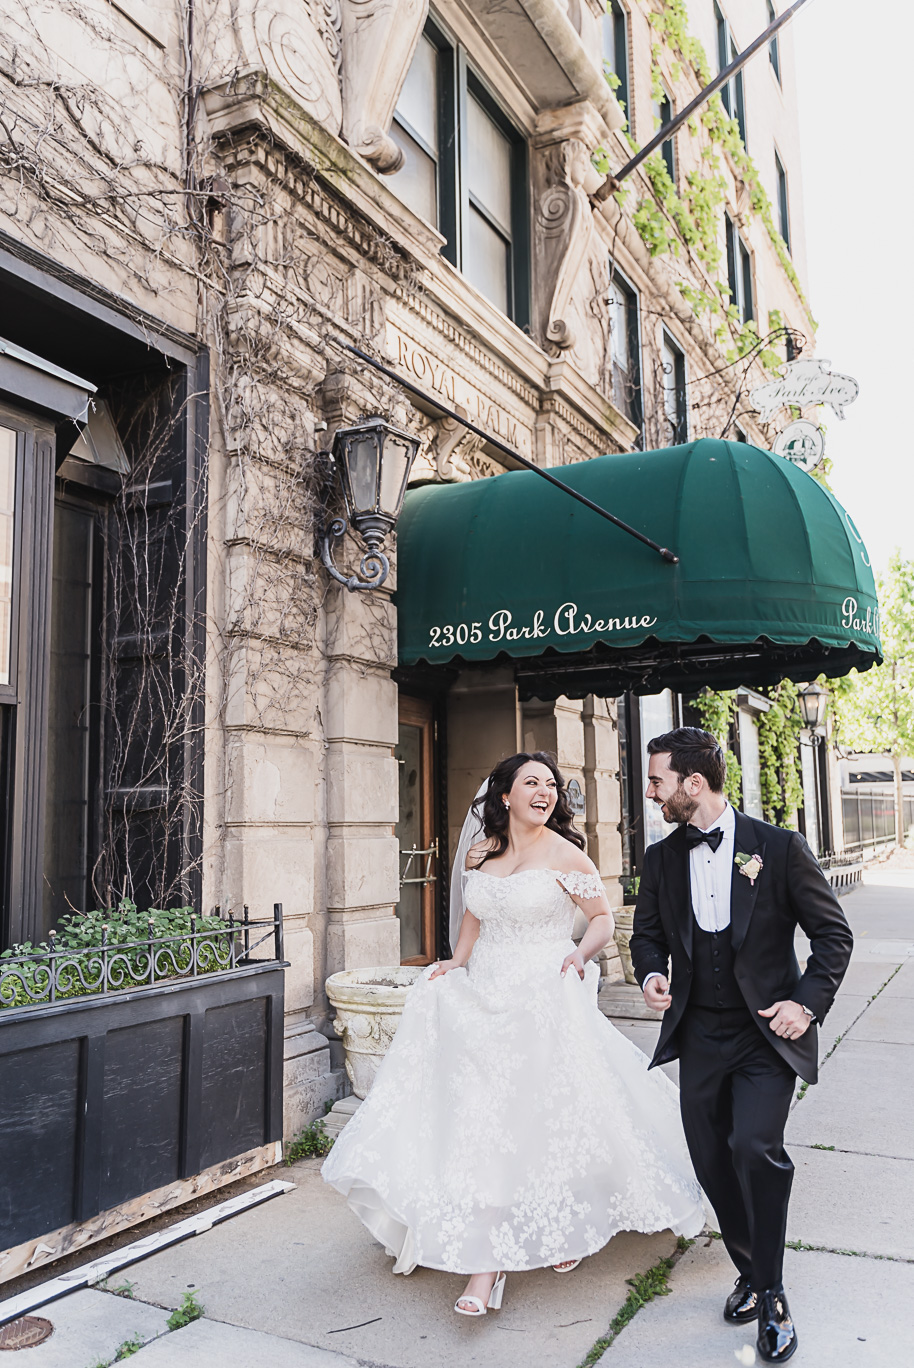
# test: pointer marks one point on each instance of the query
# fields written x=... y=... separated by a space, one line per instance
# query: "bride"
x=510 y=1126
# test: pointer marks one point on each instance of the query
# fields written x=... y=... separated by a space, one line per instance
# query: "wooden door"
x=417 y=832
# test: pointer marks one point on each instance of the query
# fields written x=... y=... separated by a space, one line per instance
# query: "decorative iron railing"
x=47 y=974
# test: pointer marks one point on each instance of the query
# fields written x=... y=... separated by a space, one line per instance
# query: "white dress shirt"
x=711 y=873
x=710 y=876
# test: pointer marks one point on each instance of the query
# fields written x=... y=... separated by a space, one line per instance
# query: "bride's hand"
x=443 y=967
x=577 y=961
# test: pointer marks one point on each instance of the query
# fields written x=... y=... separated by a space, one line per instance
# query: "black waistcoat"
x=713 y=980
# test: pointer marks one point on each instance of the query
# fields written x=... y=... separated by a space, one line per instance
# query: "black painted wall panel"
x=39 y=1097
x=142 y=1109
x=234 y=1118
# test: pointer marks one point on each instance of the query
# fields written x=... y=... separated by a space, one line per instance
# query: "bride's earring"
x=507 y=804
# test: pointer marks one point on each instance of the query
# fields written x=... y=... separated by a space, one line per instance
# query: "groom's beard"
x=680 y=807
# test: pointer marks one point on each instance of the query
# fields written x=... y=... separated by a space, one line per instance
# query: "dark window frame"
x=733 y=94
x=740 y=273
x=86 y=497
x=774 y=49
x=458 y=80
x=19 y=423
x=680 y=432
x=633 y=325
x=783 y=198
x=667 y=149
x=472 y=86
x=616 y=16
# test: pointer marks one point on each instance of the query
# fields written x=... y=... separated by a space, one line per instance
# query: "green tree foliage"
x=875 y=709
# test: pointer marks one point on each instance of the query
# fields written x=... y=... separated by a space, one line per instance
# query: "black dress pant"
x=735 y=1092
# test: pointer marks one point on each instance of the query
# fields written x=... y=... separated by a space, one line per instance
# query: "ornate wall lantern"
x=372 y=461
x=813 y=704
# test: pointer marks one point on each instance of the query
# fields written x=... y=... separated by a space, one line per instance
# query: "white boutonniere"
x=749 y=865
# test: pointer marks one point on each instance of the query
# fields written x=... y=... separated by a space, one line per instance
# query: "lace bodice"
x=532 y=905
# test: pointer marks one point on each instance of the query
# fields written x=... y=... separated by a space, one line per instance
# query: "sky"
x=853 y=92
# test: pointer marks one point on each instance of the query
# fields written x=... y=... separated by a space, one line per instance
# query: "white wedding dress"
x=510 y=1126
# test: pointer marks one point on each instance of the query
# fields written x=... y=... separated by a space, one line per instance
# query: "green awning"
x=771 y=568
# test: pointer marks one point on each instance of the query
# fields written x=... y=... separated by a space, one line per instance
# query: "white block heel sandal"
x=566 y=1268
x=494 y=1302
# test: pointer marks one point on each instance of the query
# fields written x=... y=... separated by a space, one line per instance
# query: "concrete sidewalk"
x=850 y=1275
x=299 y=1283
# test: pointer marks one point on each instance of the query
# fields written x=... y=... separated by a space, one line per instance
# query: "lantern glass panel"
x=813 y=702
x=394 y=471
x=362 y=459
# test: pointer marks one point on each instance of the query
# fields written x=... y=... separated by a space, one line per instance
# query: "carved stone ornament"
x=564 y=220
x=451 y=454
x=298 y=45
x=379 y=39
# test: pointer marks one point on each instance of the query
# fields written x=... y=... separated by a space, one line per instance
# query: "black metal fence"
x=49 y=975
x=869 y=819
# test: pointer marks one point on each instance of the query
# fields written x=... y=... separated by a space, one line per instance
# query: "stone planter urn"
x=368 y=1005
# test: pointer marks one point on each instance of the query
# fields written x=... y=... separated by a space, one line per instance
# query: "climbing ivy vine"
x=779 y=753
x=779 y=736
x=666 y=217
x=717 y=711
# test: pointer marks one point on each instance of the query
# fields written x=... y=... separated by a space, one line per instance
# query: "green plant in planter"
x=124 y=933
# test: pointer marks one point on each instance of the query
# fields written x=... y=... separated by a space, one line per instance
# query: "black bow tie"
x=695 y=837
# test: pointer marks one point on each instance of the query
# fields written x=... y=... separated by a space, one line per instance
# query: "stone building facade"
x=196 y=201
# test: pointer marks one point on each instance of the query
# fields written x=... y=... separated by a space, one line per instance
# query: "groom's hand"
x=657 y=993
x=787 y=1019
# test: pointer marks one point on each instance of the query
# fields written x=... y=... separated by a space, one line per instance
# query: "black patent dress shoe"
x=742 y=1303
x=777 y=1336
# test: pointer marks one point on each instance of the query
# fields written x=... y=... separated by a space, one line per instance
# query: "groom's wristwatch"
x=809 y=1012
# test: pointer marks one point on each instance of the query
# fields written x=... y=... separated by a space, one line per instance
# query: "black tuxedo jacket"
x=791 y=890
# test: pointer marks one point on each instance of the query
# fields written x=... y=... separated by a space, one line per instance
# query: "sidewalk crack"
x=802 y=1247
x=644 y=1288
x=804 y=1087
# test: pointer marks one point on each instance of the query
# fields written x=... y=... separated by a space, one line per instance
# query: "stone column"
x=360 y=711
x=273 y=757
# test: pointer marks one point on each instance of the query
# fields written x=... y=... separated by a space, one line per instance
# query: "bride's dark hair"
x=495 y=815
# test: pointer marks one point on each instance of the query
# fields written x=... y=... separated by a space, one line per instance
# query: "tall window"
x=72 y=709
x=615 y=50
x=674 y=391
x=625 y=348
x=488 y=239
x=733 y=93
x=465 y=171
x=739 y=273
x=783 y=205
x=663 y=113
x=415 y=130
x=774 y=50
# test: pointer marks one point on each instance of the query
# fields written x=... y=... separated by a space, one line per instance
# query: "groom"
x=722 y=897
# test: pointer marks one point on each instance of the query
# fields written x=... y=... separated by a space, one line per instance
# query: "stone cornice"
x=253 y=100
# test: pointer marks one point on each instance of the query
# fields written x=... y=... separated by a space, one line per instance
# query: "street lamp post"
x=372 y=461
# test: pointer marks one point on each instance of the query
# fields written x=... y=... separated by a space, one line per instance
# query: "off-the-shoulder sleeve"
x=582 y=885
